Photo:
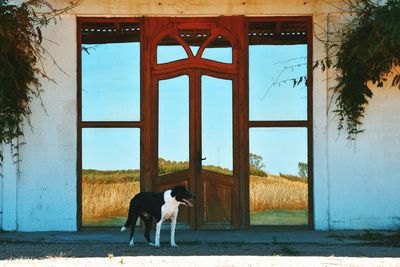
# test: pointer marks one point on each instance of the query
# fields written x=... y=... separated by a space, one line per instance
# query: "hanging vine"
x=21 y=56
x=367 y=49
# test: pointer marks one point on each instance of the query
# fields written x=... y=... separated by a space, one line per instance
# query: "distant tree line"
x=257 y=168
x=107 y=177
x=170 y=166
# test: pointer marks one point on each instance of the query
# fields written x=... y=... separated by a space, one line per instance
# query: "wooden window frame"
x=101 y=124
x=308 y=123
x=244 y=122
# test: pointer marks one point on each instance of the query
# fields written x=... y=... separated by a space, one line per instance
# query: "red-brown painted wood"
x=222 y=200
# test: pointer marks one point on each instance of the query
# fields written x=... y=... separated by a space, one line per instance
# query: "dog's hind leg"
x=133 y=225
x=148 y=221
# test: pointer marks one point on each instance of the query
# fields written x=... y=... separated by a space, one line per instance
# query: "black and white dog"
x=160 y=206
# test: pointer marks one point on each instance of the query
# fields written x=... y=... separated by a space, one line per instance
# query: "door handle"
x=198 y=163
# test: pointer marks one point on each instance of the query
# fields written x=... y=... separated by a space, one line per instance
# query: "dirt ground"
x=224 y=254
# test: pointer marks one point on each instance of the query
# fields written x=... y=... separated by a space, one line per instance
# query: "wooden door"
x=191 y=129
x=216 y=150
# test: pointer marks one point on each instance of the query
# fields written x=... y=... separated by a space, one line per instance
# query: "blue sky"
x=174 y=119
x=111 y=81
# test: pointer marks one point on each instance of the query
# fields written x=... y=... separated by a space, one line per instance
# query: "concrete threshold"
x=192 y=236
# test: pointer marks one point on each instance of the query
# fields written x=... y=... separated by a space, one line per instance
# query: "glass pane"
x=278 y=75
x=110 y=174
x=278 y=176
x=173 y=125
x=169 y=50
x=220 y=49
x=216 y=118
x=111 y=82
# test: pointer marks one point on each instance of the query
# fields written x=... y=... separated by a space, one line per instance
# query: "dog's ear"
x=173 y=192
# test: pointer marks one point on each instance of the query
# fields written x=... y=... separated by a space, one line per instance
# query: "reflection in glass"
x=277 y=82
x=110 y=174
x=169 y=50
x=111 y=82
x=220 y=49
x=217 y=133
x=278 y=176
x=173 y=125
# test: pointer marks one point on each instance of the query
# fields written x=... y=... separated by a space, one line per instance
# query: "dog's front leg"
x=173 y=226
x=158 y=230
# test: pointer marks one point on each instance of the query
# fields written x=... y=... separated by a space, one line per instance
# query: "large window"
x=109 y=123
x=221 y=105
x=279 y=123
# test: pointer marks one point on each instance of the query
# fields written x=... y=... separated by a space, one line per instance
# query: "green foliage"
x=292 y=177
x=168 y=166
x=218 y=169
x=21 y=54
x=258 y=172
x=368 y=49
x=109 y=177
x=165 y=167
x=256 y=165
x=303 y=169
x=256 y=161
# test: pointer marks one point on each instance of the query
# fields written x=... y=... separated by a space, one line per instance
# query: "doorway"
x=194 y=81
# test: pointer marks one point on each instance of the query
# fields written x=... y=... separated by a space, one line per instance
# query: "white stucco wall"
x=355 y=187
x=9 y=192
x=47 y=198
x=358 y=186
x=364 y=177
x=42 y=197
x=1 y=194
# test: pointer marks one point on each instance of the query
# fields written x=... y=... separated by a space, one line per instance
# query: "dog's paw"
x=152 y=244
x=131 y=243
x=123 y=228
x=157 y=245
x=174 y=245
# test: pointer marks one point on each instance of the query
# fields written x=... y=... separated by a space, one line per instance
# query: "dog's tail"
x=127 y=224
x=129 y=219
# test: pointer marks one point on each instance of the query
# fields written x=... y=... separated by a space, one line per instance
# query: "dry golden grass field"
x=277 y=193
x=105 y=199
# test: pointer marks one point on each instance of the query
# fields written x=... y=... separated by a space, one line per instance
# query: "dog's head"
x=182 y=194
